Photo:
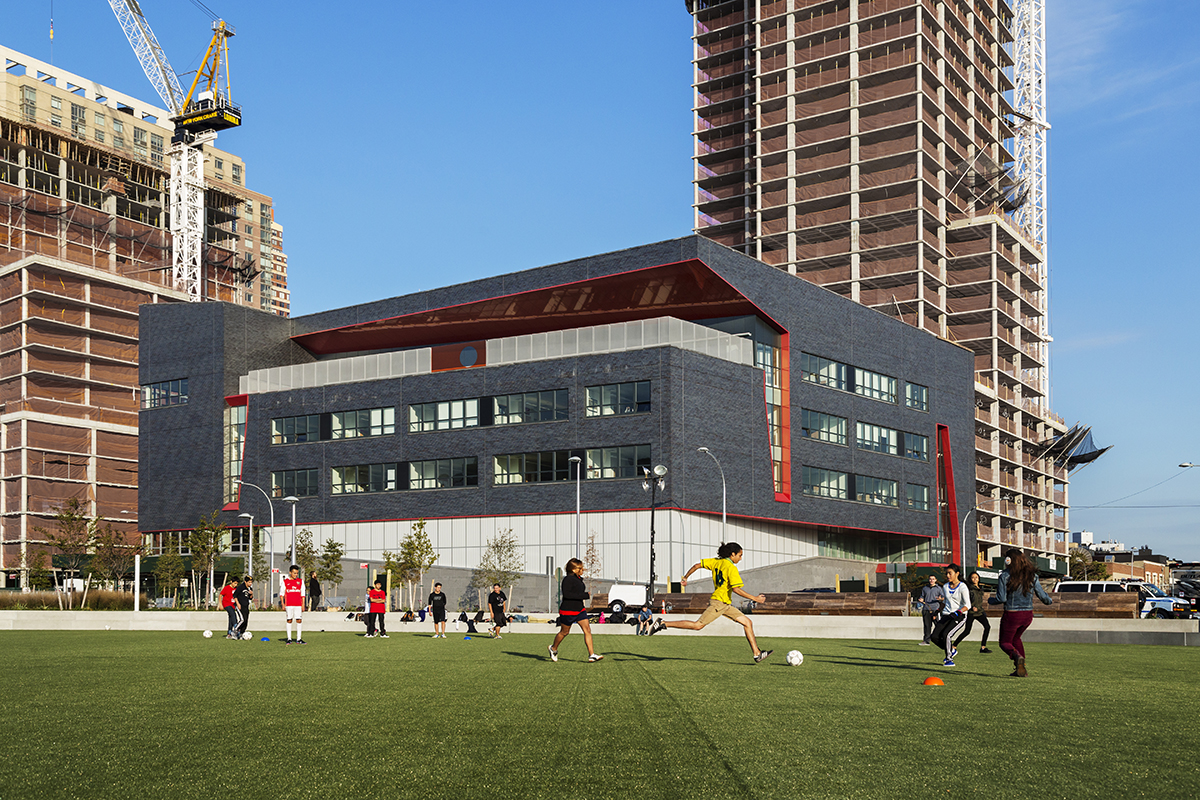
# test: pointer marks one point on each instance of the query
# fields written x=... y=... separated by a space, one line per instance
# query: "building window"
x=218 y=164
x=824 y=372
x=78 y=120
x=235 y=441
x=443 y=416
x=166 y=393
x=100 y=136
x=56 y=120
x=818 y=482
x=877 y=438
x=139 y=142
x=916 y=446
x=294 y=483
x=517 y=409
x=769 y=359
x=118 y=128
x=874 y=385
x=99 y=120
x=918 y=497
x=363 y=478
x=532 y=467
x=618 y=462
x=290 y=430
x=618 y=398
x=367 y=422
x=156 y=148
x=826 y=427
x=29 y=103
x=444 y=473
x=916 y=396
x=237 y=174
x=879 y=491
x=55 y=102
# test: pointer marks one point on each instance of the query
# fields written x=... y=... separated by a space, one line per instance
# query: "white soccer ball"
x=795 y=658
x=208 y=634
x=247 y=636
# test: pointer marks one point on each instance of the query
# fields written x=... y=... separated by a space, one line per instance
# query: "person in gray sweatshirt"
x=932 y=599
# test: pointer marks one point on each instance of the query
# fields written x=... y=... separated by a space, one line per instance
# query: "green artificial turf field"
x=149 y=715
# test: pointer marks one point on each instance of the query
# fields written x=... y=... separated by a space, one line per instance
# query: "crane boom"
x=149 y=53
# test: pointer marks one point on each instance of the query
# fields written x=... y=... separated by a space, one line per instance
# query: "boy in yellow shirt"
x=726 y=579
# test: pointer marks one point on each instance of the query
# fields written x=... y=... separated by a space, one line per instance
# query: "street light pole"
x=962 y=539
x=654 y=485
x=271 y=538
x=578 y=462
x=291 y=498
x=250 y=551
x=713 y=456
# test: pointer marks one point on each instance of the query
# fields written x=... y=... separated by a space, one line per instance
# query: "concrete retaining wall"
x=1082 y=631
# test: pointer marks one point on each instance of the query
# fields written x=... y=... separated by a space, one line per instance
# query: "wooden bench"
x=1088 y=605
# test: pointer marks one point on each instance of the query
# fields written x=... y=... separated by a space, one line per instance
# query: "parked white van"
x=1155 y=602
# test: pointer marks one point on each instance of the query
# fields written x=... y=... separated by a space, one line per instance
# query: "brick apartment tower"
x=854 y=143
x=84 y=240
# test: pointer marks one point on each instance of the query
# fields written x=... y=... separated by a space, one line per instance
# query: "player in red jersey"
x=376 y=606
x=292 y=593
x=231 y=608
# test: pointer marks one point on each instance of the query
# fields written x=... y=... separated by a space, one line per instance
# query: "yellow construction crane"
x=197 y=118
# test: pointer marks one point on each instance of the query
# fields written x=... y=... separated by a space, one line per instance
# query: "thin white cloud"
x=1081 y=344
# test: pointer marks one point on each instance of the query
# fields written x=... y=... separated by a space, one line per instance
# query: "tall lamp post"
x=654 y=485
x=713 y=456
x=291 y=498
x=578 y=462
x=250 y=552
x=962 y=539
x=270 y=536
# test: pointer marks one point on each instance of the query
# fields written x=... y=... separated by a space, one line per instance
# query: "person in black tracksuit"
x=243 y=594
x=571 y=611
x=496 y=601
x=977 y=613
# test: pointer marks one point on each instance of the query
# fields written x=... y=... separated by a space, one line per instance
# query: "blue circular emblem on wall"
x=468 y=356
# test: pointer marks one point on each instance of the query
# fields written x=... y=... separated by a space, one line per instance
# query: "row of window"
x=837 y=485
x=832 y=428
x=507 y=409
x=875 y=385
x=626 y=461
x=166 y=393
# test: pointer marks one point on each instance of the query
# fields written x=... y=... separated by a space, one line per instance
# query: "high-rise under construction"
x=84 y=240
x=867 y=146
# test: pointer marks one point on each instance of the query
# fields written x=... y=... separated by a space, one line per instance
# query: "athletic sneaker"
x=984 y=650
x=384 y=636
x=657 y=627
x=287 y=641
x=923 y=644
x=1021 y=671
x=949 y=663
x=762 y=656
x=593 y=658
x=953 y=651
x=498 y=636
x=553 y=654
x=300 y=641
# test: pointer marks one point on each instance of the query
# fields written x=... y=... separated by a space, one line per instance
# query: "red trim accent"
x=237 y=400
x=947 y=476
x=689 y=290
x=785 y=420
x=233 y=401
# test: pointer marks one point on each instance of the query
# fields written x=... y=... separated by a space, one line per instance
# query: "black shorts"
x=566 y=617
x=498 y=616
x=439 y=615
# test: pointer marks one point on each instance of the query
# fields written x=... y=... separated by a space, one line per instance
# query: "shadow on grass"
x=881 y=664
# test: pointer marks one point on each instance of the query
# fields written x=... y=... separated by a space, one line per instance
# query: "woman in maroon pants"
x=1015 y=591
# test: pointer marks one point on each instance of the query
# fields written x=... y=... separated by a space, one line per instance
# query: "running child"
x=437 y=609
x=497 y=601
x=292 y=592
x=244 y=595
x=571 y=611
x=954 y=614
x=726 y=579
x=376 y=607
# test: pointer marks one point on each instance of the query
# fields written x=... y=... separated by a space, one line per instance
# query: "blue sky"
x=415 y=144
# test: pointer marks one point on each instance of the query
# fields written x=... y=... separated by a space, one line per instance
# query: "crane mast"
x=197 y=119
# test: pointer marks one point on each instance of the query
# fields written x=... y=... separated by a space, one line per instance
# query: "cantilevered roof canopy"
x=686 y=289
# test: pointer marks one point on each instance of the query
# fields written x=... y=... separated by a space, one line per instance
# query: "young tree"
x=39 y=575
x=591 y=559
x=306 y=553
x=204 y=544
x=416 y=557
x=114 y=553
x=73 y=538
x=502 y=561
x=169 y=571
x=329 y=568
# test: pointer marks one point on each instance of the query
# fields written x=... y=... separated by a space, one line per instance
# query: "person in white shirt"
x=954 y=614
